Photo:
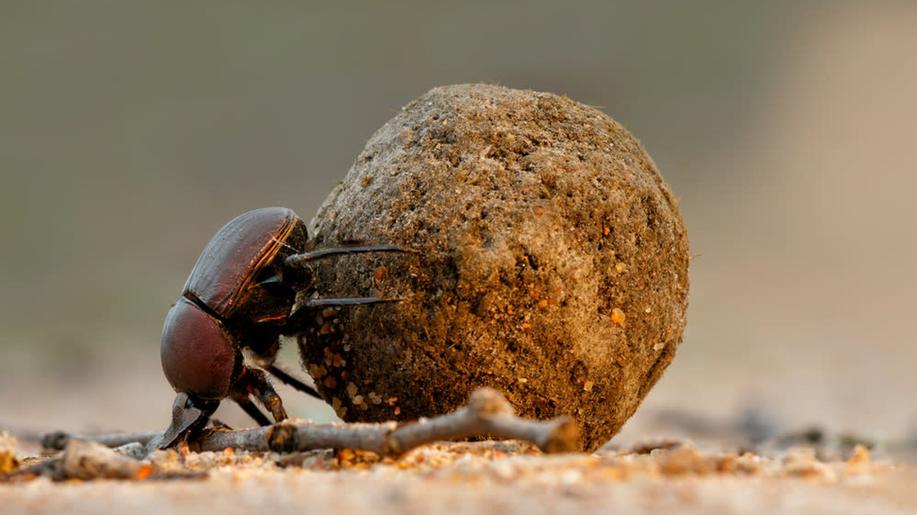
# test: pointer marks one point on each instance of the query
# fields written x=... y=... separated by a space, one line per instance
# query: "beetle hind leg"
x=245 y=402
x=288 y=379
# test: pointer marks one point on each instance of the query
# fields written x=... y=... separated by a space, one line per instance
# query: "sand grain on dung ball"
x=553 y=264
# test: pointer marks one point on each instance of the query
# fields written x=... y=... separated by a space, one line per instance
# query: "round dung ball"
x=552 y=264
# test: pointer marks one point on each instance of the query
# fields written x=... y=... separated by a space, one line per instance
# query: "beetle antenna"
x=298 y=260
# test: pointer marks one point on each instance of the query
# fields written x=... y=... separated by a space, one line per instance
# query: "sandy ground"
x=490 y=477
x=292 y=492
x=625 y=476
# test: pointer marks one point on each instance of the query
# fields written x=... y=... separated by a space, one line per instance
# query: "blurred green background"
x=130 y=131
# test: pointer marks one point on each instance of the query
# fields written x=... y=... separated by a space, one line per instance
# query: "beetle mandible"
x=240 y=296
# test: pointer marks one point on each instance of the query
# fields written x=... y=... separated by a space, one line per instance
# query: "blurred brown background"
x=130 y=131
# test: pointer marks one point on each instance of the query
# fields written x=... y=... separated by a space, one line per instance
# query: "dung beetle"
x=240 y=296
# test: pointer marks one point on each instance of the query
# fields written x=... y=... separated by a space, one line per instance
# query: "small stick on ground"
x=59 y=439
x=84 y=459
x=90 y=460
x=488 y=413
x=87 y=460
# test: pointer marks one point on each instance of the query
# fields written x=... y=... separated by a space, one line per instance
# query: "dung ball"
x=552 y=264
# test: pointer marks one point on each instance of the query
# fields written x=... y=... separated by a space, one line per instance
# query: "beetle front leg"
x=258 y=384
x=189 y=416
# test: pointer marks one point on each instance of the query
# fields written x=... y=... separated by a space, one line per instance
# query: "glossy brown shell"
x=197 y=353
x=223 y=275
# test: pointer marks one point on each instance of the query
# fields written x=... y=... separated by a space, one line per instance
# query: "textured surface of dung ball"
x=553 y=264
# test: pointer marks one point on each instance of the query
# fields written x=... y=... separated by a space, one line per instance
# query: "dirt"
x=552 y=264
x=486 y=477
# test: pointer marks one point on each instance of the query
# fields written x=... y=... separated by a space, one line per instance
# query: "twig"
x=86 y=460
x=83 y=459
x=488 y=413
x=59 y=439
x=90 y=460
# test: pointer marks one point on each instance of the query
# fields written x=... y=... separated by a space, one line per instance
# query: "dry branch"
x=488 y=413
x=58 y=440
x=90 y=460
x=83 y=459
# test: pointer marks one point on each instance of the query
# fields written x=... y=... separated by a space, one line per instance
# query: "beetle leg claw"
x=256 y=382
x=273 y=404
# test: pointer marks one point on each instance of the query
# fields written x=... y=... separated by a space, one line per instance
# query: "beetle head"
x=197 y=352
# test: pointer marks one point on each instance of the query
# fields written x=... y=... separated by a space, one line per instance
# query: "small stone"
x=8 y=461
x=618 y=317
x=685 y=460
x=351 y=389
x=859 y=461
x=316 y=371
x=346 y=455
